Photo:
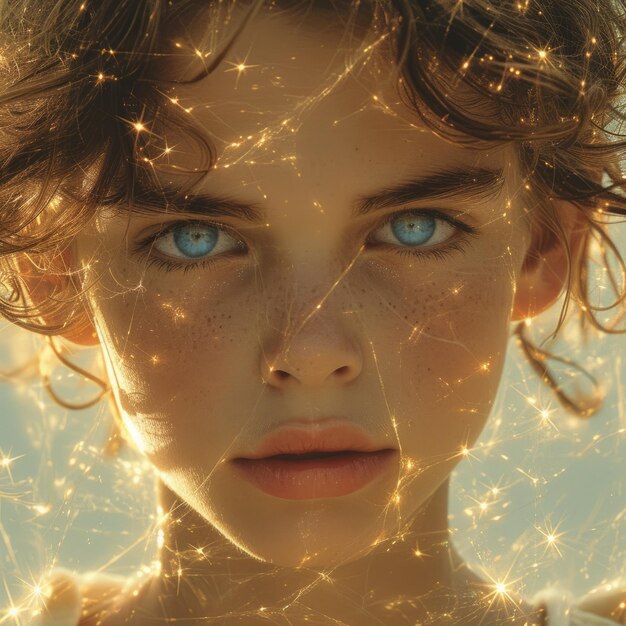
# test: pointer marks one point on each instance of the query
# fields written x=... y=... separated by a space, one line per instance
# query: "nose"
x=320 y=350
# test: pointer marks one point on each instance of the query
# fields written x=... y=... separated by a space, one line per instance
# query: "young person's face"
x=217 y=336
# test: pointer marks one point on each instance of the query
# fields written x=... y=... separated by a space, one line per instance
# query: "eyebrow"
x=466 y=182
x=471 y=183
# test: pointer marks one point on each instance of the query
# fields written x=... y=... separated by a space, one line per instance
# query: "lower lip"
x=326 y=477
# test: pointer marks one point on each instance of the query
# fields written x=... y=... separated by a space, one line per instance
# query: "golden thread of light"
x=501 y=588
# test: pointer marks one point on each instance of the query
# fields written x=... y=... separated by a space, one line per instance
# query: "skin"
x=311 y=322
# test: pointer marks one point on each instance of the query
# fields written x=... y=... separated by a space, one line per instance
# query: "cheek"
x=170 y=352
x=450 y=338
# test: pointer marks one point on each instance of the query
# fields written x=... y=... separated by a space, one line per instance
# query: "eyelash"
x=458 y=245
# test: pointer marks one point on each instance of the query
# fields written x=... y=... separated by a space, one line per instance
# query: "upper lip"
x=312 y=438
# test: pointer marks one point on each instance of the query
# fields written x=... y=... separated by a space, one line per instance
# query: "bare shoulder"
x=74 y=599
x=100 y=593
x=61 y=593
x=113 y=600
x=608 y=601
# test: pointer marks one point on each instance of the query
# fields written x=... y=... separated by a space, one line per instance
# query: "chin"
x=294 y=533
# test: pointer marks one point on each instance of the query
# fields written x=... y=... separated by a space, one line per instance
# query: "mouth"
x=313 y=475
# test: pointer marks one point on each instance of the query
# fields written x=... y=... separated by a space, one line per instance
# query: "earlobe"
x=544 y=273
x=52 y=291
x=540 y=284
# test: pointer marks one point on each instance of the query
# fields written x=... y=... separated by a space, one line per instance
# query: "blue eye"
x=193 y=240
x=416 y=229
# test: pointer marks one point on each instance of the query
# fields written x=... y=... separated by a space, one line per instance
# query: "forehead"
x=311 y=106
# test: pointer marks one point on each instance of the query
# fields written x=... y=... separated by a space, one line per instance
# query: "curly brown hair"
x=74 y=72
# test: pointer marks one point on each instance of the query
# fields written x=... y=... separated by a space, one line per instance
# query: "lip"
x=357 y=462
x=315 y=438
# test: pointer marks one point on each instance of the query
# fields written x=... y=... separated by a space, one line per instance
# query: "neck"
x=203 y=574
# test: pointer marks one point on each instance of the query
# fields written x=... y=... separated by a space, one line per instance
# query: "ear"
x=52 y=289
x=545 y=268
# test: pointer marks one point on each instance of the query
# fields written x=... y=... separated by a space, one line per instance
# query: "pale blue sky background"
x=62 y=504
